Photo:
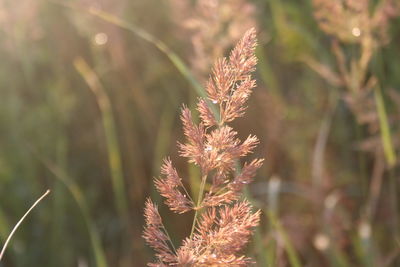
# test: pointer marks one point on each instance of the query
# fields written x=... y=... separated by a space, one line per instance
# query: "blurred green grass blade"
x=363 y=250
x=141 y=33
x=384 y=127
x=175 y=59
x=114 y=155
x=262 y=257
x=291 y=252
x=77 y=194
x=336 y=256
x=60 y=199
x=163 y=138
x=160 y=45
x=267 y=73
x=295 y=39
x=162 y=144
x=94 y=237
x=270 y=252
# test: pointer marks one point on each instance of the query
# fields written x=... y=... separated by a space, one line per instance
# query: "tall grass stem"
x=114 y=154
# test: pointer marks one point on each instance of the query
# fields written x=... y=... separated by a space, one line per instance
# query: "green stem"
x=199 y=199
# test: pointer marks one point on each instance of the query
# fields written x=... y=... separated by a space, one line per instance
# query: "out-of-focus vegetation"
x=90 y=94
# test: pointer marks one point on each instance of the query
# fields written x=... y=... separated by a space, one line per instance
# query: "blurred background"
x=90 y=96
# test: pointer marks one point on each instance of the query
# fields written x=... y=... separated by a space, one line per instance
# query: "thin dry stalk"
x=222 y=224
x=20 y=221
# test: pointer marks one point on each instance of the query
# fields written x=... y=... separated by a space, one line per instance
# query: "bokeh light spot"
x=100 y=38
x=356 y=31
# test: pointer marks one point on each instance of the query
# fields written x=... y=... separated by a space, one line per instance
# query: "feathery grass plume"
x=222 y=223
x=213 y=27
x=352 y=21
